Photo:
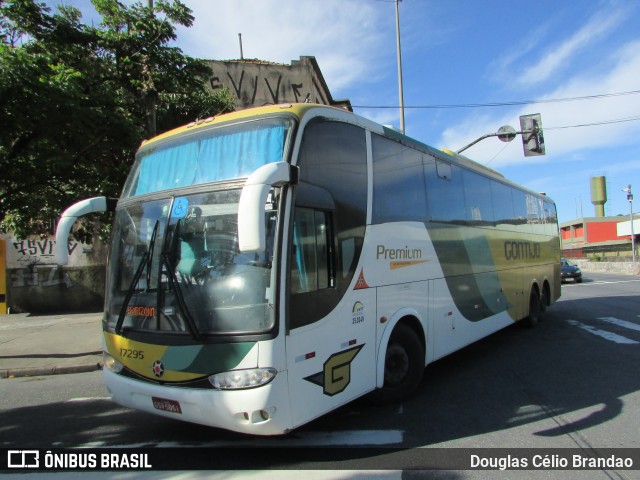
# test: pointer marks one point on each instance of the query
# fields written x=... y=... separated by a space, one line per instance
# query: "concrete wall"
x=36 y=284
x=256 y=83
x=612 y=267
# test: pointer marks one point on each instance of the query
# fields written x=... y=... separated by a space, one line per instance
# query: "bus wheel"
x=544 y=295
x=403 y=367
x=535 y=309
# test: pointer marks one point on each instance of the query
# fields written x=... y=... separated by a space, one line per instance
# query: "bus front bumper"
x=262 y=410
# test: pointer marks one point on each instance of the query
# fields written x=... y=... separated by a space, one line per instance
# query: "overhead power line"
x=505 y=104
x=604 y=122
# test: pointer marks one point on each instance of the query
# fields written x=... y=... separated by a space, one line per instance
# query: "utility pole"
x=400 y=93
x=633 y=237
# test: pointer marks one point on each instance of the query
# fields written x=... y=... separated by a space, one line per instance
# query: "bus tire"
x=403 y=367
x=535 y=309
x=544 y=298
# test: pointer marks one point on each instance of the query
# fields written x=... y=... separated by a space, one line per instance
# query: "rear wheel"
x=403 y=366
x=535 y=309
x=544 y=298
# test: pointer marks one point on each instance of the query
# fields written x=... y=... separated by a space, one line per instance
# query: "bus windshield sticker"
x=357 y=313
x=180 y=209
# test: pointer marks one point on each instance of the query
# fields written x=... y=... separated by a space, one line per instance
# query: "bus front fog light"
x=241 y=379
x=111 y=363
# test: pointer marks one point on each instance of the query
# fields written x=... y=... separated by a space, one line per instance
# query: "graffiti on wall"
x=35 y=262
x=33 y=251
x=254 y=88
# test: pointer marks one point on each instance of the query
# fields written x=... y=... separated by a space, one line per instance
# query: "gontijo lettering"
x=405 y=253
x=521 y=250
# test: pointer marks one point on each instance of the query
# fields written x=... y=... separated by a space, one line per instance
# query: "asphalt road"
x=571 y=382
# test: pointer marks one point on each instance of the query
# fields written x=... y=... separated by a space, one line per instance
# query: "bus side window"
x=445 y=192
x=311 y=267
x=398 y=182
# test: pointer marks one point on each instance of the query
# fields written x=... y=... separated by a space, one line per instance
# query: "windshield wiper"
x=146 y=260
x=191 y=324
x=167 y=260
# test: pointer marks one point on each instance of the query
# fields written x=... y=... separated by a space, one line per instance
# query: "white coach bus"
x=270 y=265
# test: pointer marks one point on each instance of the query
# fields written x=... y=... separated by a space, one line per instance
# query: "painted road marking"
x=604 y=334
x=621 y=323
x=297 y=439
x=599 y=282
x=86 y=399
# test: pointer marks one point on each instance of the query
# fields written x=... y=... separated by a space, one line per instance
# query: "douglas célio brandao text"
x=550 y=461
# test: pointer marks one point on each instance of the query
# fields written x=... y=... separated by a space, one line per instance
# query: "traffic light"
x=532 y=137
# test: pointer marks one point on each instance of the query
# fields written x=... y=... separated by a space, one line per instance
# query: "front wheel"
x=403 y=367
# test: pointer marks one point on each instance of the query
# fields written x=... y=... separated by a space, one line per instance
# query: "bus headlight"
x=240 y=379
x=111 y=363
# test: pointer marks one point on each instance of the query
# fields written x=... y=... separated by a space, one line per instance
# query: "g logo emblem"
x=336 y=374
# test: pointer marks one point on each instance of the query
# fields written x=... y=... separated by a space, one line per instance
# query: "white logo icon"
x=23 y=458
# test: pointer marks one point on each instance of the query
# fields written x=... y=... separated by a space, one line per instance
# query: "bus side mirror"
x=251 y=210
x=69 y=217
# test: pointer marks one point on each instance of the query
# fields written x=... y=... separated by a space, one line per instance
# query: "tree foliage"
x=75 y=100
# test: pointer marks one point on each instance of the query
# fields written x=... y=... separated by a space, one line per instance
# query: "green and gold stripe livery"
x=170 y=363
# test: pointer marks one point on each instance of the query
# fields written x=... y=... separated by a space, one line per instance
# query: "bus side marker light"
x=383 y=319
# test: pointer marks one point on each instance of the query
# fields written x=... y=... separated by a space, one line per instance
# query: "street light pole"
x=633 y=237
x=400 y=93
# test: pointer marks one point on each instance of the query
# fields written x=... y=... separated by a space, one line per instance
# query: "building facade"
x=255 y=83
x=597 y=237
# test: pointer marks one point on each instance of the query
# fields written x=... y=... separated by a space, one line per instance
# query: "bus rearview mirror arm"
x=69 y=217
x=251 y=210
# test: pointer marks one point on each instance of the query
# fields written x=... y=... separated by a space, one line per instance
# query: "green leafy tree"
x=76 y=101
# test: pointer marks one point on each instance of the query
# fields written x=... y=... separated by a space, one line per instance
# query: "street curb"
x=42 y=371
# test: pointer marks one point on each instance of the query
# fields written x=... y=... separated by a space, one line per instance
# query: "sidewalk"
x=32 y=345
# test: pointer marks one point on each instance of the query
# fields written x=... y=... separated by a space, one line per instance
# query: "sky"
x=458 y=53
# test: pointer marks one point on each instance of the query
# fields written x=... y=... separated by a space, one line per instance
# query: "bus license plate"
x=166 y=405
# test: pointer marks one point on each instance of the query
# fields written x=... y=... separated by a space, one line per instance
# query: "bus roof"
x=297 y=109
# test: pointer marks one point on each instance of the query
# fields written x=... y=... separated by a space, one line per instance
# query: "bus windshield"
x=175 y=268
